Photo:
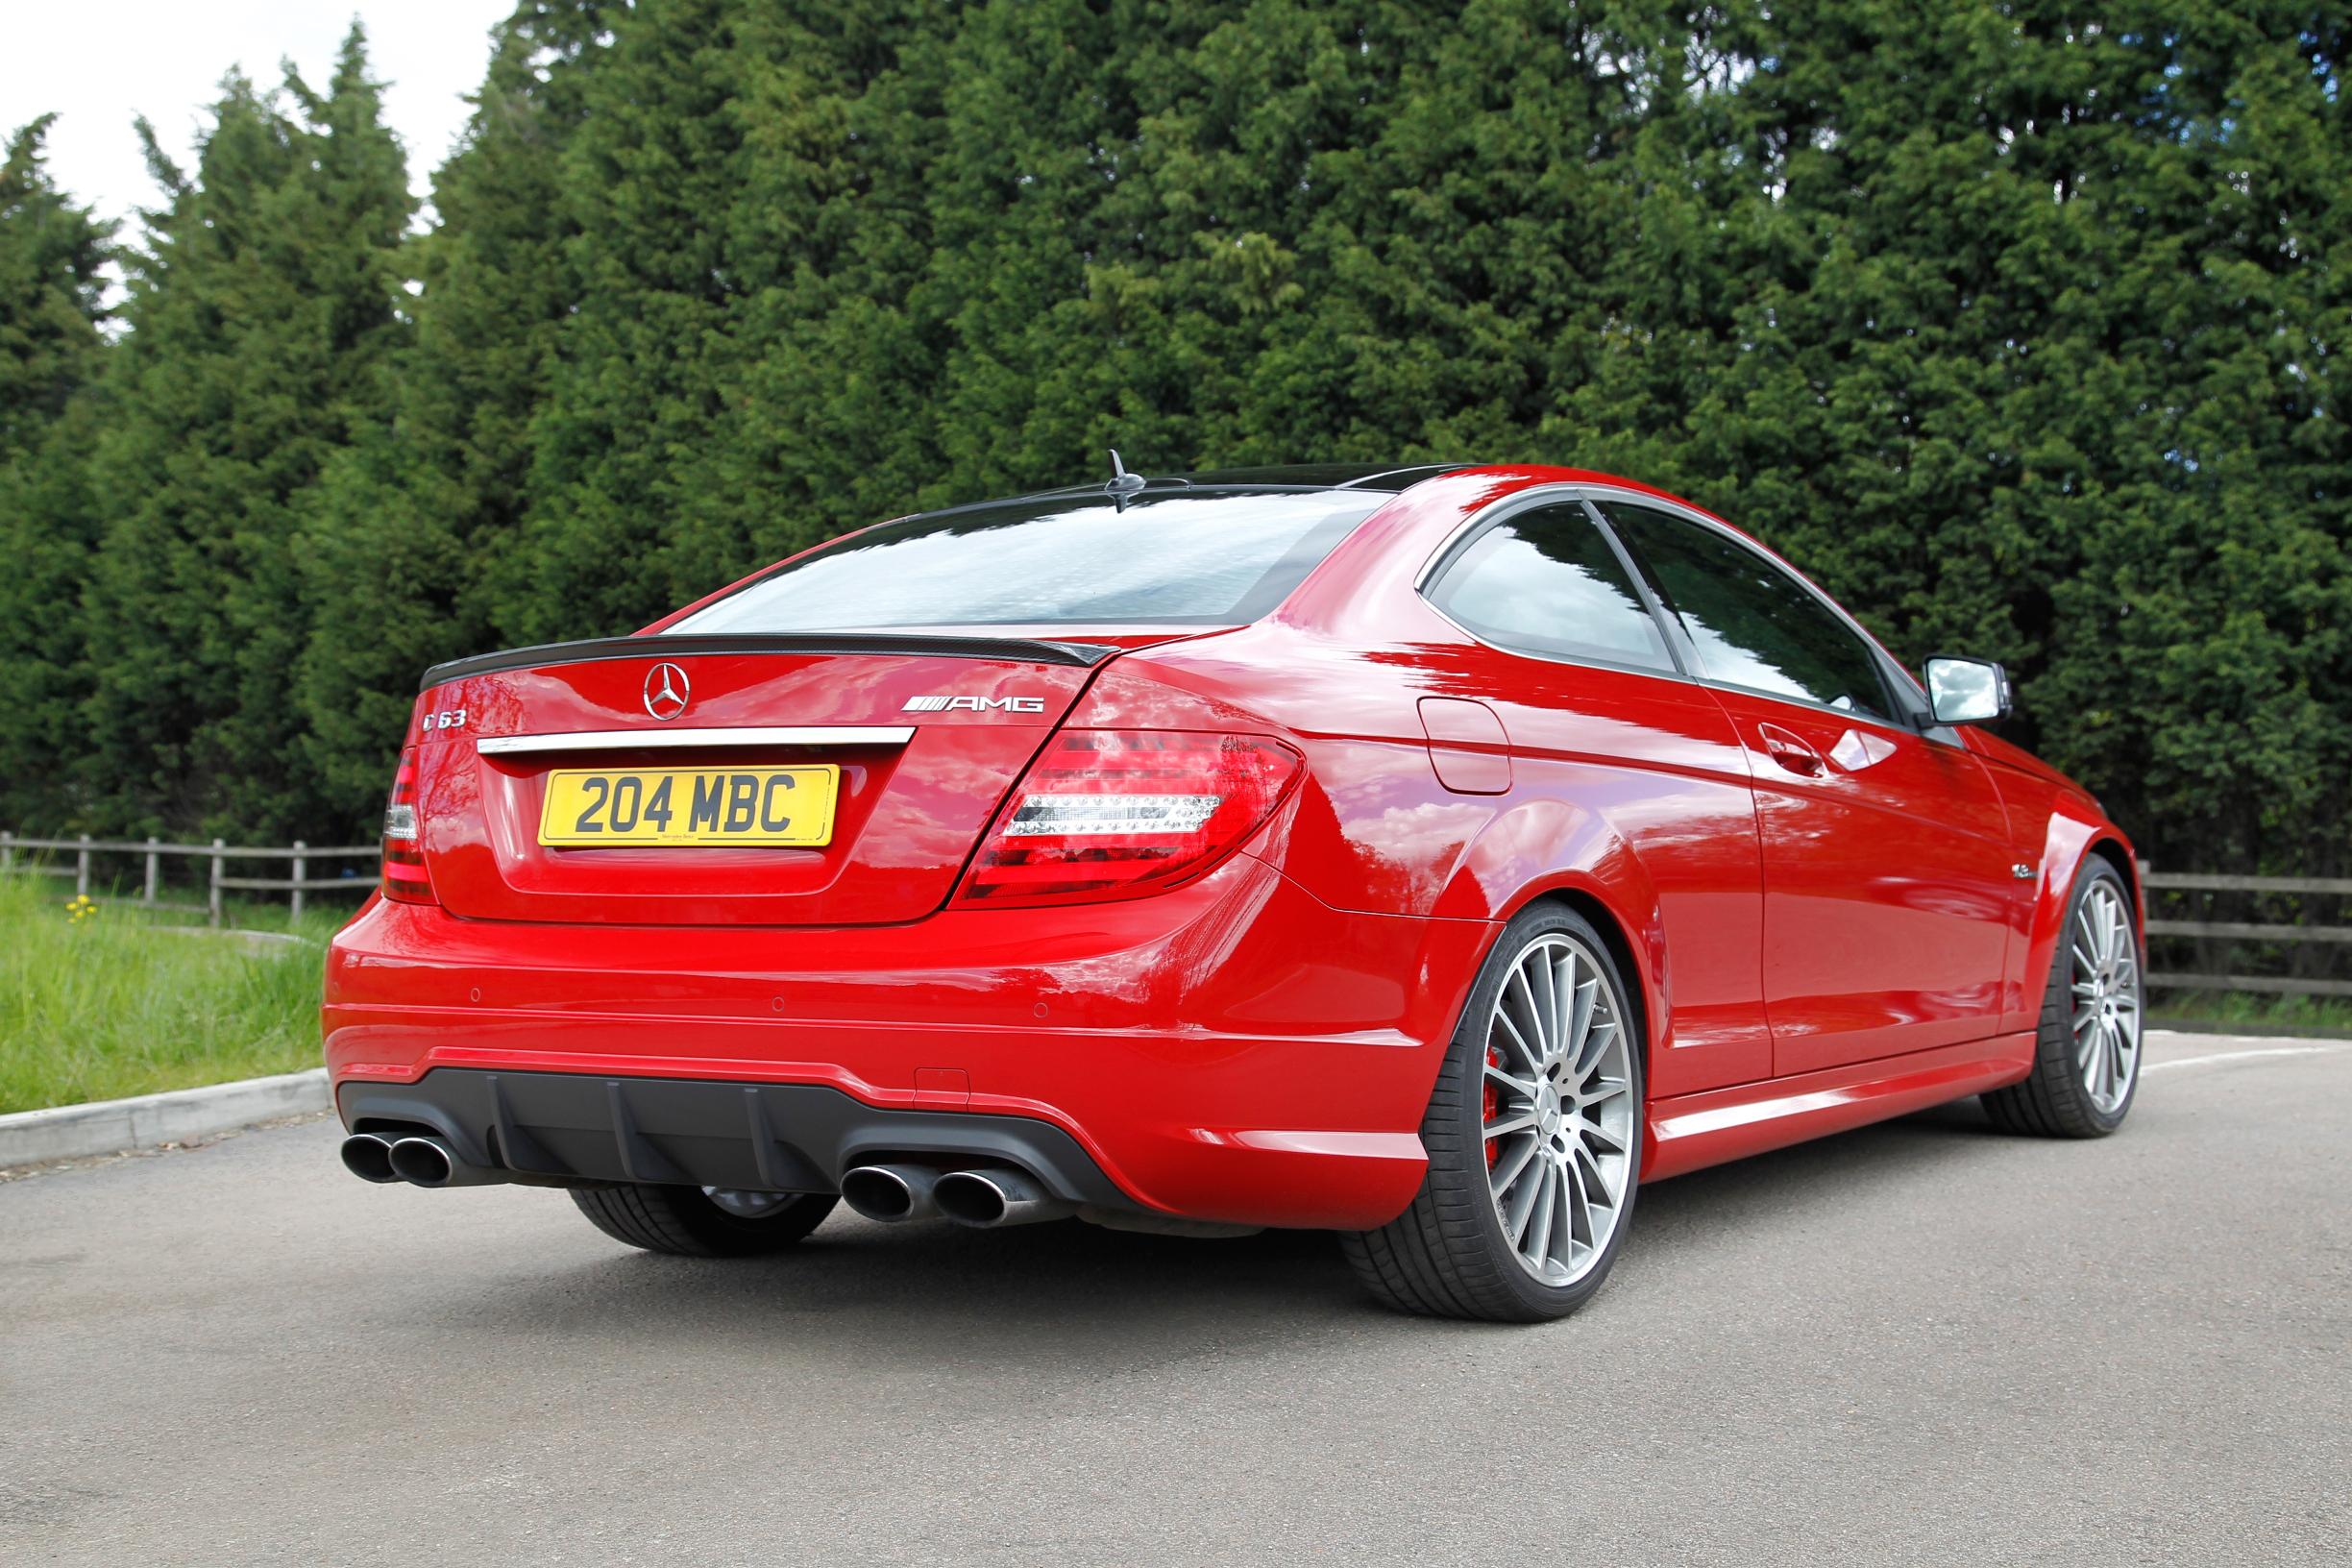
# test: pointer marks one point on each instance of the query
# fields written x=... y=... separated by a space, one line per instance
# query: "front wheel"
x=1533 y=1135
x=2087 y=1051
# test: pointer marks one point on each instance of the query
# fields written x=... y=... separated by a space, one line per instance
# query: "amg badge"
x=975 y=704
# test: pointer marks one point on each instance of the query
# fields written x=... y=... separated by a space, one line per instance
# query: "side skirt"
x=1694 y=1131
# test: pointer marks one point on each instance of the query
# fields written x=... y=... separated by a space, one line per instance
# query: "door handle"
x=1858 y=749
x=1790 y=751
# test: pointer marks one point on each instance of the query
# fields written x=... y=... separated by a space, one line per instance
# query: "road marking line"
x=2240 y=1056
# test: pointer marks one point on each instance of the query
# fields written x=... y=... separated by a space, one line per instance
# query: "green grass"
x=116 y=1004
x=2251 y=1013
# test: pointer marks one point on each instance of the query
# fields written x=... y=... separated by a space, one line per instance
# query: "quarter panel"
x=1630 y=786
x=1635 y=789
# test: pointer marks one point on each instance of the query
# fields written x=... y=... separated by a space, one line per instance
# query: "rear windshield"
x=1185 y=558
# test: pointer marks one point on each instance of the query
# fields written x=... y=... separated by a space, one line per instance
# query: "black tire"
x=2054 y=1101
x=684 y=1222
x=1447 y=1255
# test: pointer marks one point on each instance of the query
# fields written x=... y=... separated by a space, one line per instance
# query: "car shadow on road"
x=1072 y=1290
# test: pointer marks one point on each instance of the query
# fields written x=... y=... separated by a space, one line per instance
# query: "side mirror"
x=1967 y=691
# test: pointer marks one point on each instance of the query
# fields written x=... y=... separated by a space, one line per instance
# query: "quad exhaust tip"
x=426 y=1162
x=415 y=1158
x=984 y=1199
x=422 y=1161
x=895 y=1193
x=369 y=1158
x=890 y=1195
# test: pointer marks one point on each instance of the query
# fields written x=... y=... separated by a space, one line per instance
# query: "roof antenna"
x=1122 y=483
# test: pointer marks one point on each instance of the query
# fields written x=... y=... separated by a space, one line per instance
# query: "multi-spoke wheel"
x=1559 y=1109
x=1533 y=1135
x=2106 y=995
x=2086 y=1055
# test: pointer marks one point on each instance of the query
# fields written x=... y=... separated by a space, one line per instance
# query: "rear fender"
x=1373 y=829
x=1556 y=848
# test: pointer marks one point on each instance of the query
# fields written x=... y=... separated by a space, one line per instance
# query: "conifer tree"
x=414 y=519
x=745 y=372
x=2017 y=323
x=625 y=447
x=261 y=316
x=52 y=354
x=2033 y=361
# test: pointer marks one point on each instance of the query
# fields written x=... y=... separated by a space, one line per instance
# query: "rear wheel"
x=2087 y=1051
x=704 y=1222
x=1533 y=1135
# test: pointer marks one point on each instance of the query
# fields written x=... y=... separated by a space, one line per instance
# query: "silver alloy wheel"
x=1559 y=1109
x=2106 y=998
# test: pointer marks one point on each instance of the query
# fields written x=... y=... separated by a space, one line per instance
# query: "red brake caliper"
x=1491 y=1105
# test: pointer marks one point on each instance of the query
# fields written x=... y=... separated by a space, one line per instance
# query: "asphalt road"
x=1921 y=1342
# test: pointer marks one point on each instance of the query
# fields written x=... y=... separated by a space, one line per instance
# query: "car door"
x=1887 y=868
x=1601 y=719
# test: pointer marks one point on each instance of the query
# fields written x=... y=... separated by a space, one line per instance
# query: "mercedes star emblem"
x=665 y=691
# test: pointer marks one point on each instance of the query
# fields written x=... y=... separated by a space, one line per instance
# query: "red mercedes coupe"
x=1432 y=855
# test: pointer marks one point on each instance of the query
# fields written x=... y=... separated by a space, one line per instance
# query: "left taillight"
x=1119 y=814
x=403 y=855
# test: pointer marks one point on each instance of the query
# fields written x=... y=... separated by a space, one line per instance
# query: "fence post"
x=301 y=868
x=82 y=869
x=154 y=862
x=212 y=915
x=7 y=851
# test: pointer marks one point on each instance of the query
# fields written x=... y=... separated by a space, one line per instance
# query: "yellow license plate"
x=689 y=806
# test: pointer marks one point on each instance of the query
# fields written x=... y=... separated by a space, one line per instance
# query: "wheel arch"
x=1595 y=913
x=2110 y=847
x=1548 y=847
x=1580 y=897
x=2075 y=837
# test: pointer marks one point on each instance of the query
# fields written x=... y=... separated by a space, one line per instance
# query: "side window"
x=1545 y=582
x=1751 y=623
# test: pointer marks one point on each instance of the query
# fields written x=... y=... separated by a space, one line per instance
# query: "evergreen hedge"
x=2016 y=324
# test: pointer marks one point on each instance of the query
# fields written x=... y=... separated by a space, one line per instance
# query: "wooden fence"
x=2245 y=931
x=218 y=882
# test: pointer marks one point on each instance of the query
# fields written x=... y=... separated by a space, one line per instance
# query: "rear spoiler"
x=1022 y=650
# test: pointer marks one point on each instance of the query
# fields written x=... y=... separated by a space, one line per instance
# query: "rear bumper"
x=698 y=1132
x=1235 y=1050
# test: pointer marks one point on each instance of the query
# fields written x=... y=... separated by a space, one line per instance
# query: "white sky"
x=98 y=68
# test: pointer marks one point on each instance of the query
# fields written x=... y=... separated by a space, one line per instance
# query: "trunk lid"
x=927 y=732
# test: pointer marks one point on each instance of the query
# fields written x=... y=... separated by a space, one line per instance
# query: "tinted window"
x=1753 y=625
x=1546 y=582
x=1184 y=557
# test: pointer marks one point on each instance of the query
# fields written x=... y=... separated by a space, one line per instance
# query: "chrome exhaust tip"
x=892 y=1194
x=427 y=1161
x=984 y=1199
x=369 y=1158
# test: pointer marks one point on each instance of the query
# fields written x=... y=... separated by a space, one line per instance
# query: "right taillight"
x=1120 y=813
x=404 y=856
